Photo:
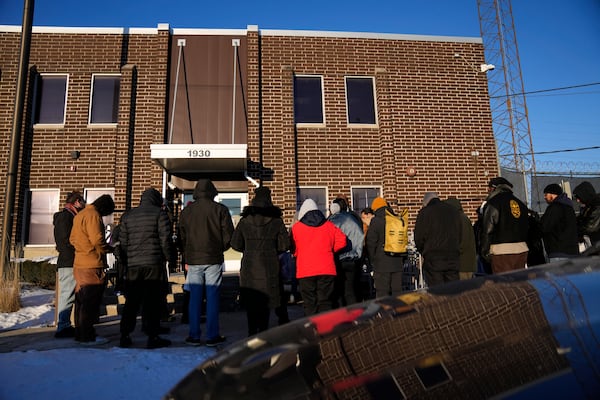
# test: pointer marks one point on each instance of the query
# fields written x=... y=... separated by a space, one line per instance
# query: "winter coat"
x=87 y=237
x=438 y=231
x=261 y=235
x=354 y=234
x=63 y=223
x=468 y=252
x=588 y=220
x=375 y=240
x=314 y=243
x=559 y=228
x=145 y=239
x=205 y=227
x=505 y=224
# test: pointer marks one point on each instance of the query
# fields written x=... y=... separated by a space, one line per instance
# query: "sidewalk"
x=233 y=326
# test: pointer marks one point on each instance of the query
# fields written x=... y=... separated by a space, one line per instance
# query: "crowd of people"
x=328 y=253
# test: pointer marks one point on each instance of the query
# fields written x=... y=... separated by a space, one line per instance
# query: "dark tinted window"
x=360 y=101
x=308 y=100
x=105 y=100
x=319 y=195
x=51 y=97
x=363 y=197
x=432 y=376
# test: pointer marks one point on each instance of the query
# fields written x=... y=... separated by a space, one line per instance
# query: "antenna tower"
x=510 y=120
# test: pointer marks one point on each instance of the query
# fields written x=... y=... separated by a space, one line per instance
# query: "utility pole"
x=15 y=141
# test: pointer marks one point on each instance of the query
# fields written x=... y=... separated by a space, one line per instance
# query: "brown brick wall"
x=103 y=161
x=433 y=111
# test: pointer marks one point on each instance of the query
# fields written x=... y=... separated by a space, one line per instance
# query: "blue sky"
x=558 y=42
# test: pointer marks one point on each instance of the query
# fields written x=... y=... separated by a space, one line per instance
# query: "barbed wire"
x=567 y=168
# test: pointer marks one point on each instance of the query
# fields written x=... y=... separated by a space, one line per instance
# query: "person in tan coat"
x=87 y=237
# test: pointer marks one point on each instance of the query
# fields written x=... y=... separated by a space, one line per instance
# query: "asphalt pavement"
x=233 y=326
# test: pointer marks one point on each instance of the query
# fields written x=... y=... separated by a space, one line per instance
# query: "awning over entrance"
x=193 y=161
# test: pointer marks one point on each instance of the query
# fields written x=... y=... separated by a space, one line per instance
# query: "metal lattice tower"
x=507 y=99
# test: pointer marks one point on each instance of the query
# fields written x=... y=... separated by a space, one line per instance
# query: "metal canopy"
x=194 y=160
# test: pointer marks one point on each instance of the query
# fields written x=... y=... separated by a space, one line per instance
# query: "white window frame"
x=53 y=207
x=36 y=98
x=358 y=187
x=243 y=197
x=354 y=124
x=92 y=86
x=312 y=124
x=324 y=207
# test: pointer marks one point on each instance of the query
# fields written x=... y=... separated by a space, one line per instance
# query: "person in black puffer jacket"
x=145 y=235
x=588 y=220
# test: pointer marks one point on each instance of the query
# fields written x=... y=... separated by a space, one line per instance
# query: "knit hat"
x=308 y=205
x=377 y=203
x=334 y=208
x=553 y=188
x=428 y=197
x=262 y=197
x=494 y=182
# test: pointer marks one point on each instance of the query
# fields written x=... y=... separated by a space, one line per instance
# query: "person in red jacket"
x=314 y=242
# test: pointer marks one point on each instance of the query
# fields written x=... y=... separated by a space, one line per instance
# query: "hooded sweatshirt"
x=205 y=227
x=315 y=241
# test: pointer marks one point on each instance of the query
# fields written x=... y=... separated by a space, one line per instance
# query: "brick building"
x=309 y=114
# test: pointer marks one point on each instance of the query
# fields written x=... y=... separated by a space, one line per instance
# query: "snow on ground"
x=86 y=373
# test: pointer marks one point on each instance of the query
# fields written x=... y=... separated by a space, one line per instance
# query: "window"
x=50 y=99
x=318 y=194
x=44 y=203
x=235 y=202
x=104 y=99
x=308 y=100
x=432 y=376
x=362 y=197
x=360 y=101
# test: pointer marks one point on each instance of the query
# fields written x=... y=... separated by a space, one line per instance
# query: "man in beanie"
x=314 y=243
x=588 y=220
x=88 y=239
x=387 y=268
x=504 y=228
x=559 y=225
x=261 y=236
x=205 y=231
x=349 y=260
x=145 y=247
x=438 y=231
x=63 y=223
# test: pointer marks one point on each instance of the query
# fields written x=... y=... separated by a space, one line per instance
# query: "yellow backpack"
x=396 y=233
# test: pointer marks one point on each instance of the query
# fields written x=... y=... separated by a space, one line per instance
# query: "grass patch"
x=9 y=291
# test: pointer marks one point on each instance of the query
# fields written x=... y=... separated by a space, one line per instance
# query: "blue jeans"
x=198 y=278
x=66 y=297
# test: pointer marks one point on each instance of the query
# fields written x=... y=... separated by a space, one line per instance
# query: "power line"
x=561 y=151
x=547 y=90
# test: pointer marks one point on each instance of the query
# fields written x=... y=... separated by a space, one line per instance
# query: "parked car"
x=527 y=334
